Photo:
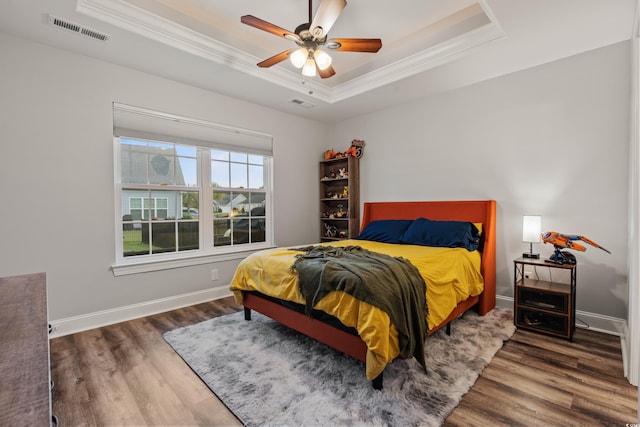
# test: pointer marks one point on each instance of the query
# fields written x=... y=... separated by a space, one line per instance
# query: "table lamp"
x=531 y=230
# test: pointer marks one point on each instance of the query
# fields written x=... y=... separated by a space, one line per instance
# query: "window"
x=181 y=197
x=239 y=198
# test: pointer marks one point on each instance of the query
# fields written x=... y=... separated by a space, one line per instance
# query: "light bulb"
x=309 y=68
x=322 y=59
x=298 y=57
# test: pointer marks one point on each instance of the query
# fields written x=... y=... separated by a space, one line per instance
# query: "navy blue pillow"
x=448 y=234
x=385 y=230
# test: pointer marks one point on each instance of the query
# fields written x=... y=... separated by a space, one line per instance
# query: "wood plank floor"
x=127 y=375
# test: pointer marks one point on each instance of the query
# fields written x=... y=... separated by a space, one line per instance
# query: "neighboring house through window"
x=180 y=194
x=143 y=208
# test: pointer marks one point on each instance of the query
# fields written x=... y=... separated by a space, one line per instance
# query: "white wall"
x=56 y=174
x=552 y=140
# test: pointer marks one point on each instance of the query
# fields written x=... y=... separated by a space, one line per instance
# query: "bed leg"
x=247 y=313
x=377 y=382
x=449 y=329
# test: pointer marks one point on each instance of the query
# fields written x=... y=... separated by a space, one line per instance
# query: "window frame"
x=207 y=252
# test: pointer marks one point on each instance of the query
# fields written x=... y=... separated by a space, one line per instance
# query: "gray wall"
x=56 y=174
x=552 y=140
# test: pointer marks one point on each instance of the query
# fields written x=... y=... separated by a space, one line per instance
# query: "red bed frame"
x=476 y=211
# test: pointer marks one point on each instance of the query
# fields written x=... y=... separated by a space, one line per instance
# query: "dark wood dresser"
x=25 y=384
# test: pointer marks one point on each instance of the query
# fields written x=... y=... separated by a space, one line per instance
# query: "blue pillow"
x=385 y=230
x=448 y=234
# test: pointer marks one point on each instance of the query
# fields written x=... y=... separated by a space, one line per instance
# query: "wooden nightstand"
x=544 y=306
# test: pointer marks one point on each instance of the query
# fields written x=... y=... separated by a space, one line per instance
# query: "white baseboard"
x=71 y=325
x=84 y=322
x=596 y=322
x=624 y=344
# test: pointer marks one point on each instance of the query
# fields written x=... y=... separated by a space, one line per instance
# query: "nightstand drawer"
x=542 y=321
x=543 y=300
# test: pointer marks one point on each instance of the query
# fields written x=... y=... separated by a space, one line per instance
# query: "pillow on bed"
x=448 y=234
x=479 y=227
x=385 y=230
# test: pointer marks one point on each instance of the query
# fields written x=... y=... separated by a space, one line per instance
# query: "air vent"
x=76 y=28
x=302 y=103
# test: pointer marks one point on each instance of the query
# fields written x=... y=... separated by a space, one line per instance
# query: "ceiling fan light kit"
x=308 y=60
x=299 y=57
x=310 y=37
x=309 y=68
x=322 y=58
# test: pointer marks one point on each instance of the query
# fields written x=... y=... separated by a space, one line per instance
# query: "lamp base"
x=530 y=255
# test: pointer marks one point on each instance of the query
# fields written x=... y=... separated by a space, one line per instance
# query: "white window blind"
x=137 y=122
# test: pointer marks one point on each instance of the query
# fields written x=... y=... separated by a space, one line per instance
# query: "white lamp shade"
x=309 y=68
x=322 y=59
x=531 y=228
x=298 y=57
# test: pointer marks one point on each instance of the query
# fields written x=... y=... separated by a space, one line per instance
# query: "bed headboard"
x=476 y=211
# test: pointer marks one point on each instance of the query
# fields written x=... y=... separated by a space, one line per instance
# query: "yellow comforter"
x=451 y=274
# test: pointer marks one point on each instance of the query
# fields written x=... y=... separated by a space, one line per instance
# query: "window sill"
x=147 y=266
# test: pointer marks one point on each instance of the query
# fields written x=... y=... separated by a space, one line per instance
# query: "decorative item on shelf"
x=342 y=234
x=341 y=213
x=567 y=241
x=329 y=194
x=342 y=172
x=332 y=173
x=357 y=145
x=345 y=192
x=355 y=150
x=330 y=230
x=329 y=154
x=531 y=229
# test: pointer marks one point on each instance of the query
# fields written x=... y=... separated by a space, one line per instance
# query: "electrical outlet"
x=214 y=274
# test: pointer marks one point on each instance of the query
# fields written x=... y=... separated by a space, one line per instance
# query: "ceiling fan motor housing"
x=303 y=31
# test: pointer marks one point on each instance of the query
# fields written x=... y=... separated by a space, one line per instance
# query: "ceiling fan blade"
x=327 y=72
x=327 y=14
x=268 y=27
x=355 y=45
x=275 y=59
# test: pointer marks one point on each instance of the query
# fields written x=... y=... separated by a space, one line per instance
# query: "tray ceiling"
x=428 y=45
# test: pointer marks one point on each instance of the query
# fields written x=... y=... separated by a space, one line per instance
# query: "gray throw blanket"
x=391 y=284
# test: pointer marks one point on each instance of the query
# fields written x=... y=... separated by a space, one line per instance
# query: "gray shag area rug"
x=268 y=374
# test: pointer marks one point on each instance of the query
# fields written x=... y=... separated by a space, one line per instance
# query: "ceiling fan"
x=310 y=37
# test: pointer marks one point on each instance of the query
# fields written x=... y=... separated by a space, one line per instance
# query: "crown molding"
x=124 y=15
x=418 y=62
x=139 y=21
